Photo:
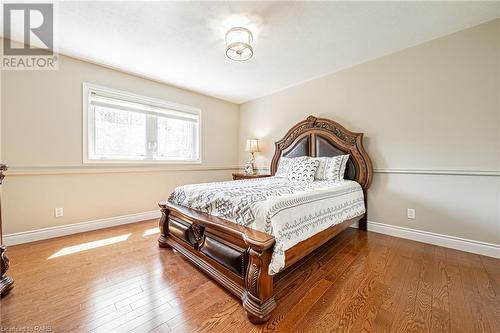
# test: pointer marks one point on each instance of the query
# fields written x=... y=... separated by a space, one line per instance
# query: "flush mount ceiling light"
x=239 y=44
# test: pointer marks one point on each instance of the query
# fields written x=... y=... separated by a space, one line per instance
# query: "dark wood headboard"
x=320 y=137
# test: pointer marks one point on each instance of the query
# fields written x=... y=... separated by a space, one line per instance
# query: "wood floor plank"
x=367 y=314
x=460 y=311
x=478 y=292
x=392 y=310
x=292 y=293
x=440 y=317
x=162 y=307
x=358 y=282
x=343 y=286
x=422 y=313
x=204 y=317
x=492 y=270
x=342 y=303
x=299 y=310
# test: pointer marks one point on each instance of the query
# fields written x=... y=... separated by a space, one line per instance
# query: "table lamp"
x=252 y=147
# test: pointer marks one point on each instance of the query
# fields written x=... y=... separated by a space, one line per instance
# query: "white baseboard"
x=457 y=243
x=68 y=229
x=467 y=245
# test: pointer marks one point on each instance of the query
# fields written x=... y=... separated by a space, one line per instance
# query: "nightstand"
x=237 y=176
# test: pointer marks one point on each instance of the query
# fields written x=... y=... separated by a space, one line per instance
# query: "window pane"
x=177 y=139
x=125 y=127
x=119 y=134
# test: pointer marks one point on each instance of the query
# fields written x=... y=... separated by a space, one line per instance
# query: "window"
x=122 y=127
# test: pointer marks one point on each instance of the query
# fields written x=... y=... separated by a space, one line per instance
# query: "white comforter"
x=290 y=211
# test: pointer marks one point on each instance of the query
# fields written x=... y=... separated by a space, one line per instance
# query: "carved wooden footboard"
x=235 y=256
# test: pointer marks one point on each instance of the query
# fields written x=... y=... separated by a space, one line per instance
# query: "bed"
x=245 y=234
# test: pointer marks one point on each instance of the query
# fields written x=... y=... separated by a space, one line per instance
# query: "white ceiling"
x=182 y=43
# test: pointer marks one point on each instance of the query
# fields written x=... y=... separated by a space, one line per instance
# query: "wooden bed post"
x=363 y=222
x=163 y=225
x=258 y=300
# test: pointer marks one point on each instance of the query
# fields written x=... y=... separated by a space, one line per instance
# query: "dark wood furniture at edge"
x=238 y=257
x=6 y=283
x=237 y=176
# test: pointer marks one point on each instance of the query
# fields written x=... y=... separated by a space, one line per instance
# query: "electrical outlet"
x=411 y=213
x=59 y=212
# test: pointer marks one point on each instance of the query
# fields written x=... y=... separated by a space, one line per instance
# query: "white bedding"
x=290 y=211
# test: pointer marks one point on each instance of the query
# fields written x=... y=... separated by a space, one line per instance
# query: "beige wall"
x=433 y=107
x=42 y=133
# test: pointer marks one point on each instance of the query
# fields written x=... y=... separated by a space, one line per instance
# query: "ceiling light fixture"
x=239 y=44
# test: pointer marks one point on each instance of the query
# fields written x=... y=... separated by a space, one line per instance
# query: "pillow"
x=303 y=170
x=331 y=168
x=285 y=164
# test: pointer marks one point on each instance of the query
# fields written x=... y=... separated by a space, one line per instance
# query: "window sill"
x=138 y=162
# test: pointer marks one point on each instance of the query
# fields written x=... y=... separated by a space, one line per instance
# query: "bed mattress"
x=290 y=211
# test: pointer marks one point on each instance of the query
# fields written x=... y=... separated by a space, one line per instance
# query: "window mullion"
x=91 y=136
x=152 y=135
x=155 y=136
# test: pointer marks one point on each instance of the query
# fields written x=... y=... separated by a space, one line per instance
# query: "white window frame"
x=89 y=88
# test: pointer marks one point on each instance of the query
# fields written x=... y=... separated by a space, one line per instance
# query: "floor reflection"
x=88 y=246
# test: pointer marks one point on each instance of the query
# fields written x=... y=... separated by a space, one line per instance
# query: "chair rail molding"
x=65 y=170
x=451 y=172
x=446 y=172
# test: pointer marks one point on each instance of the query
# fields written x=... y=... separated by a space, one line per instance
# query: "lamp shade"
x=252 y=145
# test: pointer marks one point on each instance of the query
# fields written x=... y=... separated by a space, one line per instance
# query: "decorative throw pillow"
x=331 y=168
x=285 y=165
x=303 y=170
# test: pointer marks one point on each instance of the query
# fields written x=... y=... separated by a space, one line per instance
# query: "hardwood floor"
x=117 y=279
